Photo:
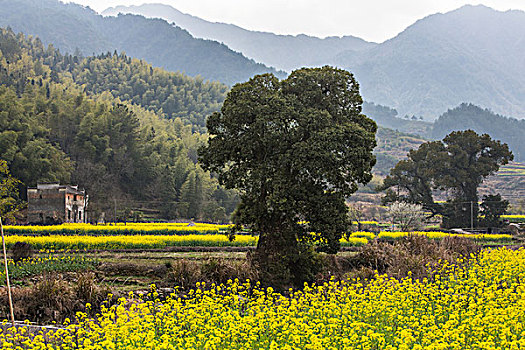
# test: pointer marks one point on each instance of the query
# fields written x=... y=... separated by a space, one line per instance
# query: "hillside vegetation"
x=53 y=130
x=389 y=118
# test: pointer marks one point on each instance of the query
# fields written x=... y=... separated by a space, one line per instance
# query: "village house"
x=56 y=204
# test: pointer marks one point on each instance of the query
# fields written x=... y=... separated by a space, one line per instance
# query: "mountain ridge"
x=473 y=54
x=285 y=52
x=70 y=27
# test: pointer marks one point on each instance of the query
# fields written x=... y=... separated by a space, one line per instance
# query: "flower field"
x=514 y=218
x=151 y=241
x=118 y=229
x=56 y=242
x=476 y=305
x=392 y=236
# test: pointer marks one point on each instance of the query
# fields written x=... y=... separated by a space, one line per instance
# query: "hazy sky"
x=373 y=20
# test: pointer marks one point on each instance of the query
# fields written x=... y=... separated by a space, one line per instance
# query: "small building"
x=56 y=204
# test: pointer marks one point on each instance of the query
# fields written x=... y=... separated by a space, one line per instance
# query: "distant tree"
x=407 y=216
x=457 y=166
x=295 y=149
x=492 y=208
x=356 y=215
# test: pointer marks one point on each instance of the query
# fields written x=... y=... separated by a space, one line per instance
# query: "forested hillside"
x=52 y=129
x=173 y=95
x=73 y=28
x=483 y=121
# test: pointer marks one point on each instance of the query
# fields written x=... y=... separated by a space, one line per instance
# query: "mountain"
x=285 y=52
x=73 y=28
x=474 y=54
x=483 y=121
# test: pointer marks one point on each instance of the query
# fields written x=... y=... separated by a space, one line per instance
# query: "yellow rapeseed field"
x=118 y=229
x=479 y=305
x=129 y=241
x=149 y=241
x=386 y=235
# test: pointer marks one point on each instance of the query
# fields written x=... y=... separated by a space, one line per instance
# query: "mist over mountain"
x=286 y=52
x=72 y=27
x=474 y=54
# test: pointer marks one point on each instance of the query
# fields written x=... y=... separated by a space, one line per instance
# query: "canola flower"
x=514 y=218
x=79 y=242
x=59 y=242
x=474 y=305
x=394 y=235
x=118 y=229
x=129 y=242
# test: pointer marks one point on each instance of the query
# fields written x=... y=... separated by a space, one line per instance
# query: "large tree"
x=454 y=167
x=295 y=149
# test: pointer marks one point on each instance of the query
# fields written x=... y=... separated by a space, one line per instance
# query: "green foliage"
x=295 y=149
x=457 y=165
x=49 y=263
x=173 y=95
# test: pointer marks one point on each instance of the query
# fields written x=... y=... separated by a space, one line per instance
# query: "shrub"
x=21 y=251
x=414 y=255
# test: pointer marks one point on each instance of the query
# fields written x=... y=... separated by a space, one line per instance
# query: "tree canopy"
x=295 y=149
x=454 y=167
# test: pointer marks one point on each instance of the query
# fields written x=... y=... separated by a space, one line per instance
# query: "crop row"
x=118 y=229
x=479 y=304
x=203 y=240
x=62 y=262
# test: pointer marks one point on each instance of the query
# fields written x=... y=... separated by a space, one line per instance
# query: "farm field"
x=151 y=236
x=205 y=240
x=476 y=304
x=76 y=266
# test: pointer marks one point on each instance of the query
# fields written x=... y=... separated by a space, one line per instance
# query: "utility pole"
x=7 y=275
x=471 y=215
